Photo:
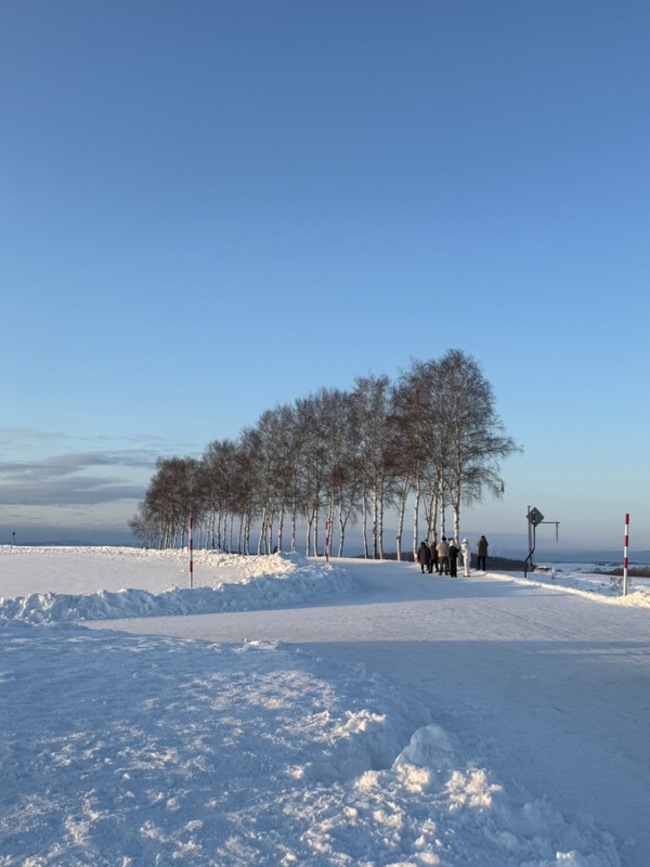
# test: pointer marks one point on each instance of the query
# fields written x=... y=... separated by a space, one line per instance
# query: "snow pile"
x=133 y=750
x=238 y=584
x=586 y=579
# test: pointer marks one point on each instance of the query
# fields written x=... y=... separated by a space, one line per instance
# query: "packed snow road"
x=551 y=689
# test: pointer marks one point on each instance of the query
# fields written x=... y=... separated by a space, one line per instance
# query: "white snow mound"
x=270 y=581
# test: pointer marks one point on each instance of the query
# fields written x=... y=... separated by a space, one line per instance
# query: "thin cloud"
x=28 y=436
x=82 y=491
x=81 y=477
x=73 y=479
x=56 y=466
x=25 y=439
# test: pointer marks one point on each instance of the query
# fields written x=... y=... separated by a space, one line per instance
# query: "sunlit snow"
x=249 y=728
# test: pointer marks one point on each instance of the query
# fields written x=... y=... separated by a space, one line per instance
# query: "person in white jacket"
x=467 y=555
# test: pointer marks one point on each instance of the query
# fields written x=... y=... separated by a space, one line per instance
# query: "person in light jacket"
x=467 y=556
x=443 y=556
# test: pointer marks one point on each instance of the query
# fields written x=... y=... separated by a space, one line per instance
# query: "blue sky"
x=210 y=208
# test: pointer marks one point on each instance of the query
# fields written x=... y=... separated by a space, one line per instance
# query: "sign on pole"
x=535 y=517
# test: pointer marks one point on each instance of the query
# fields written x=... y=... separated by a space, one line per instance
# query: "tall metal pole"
x=531 y=515
x=625 y=548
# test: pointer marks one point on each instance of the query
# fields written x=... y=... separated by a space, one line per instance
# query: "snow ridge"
x=294 y=578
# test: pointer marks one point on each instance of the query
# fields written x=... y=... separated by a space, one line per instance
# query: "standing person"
x=424 y=557
x=482 y=546
x=453 y=558
x=434 y=555
x=464 y=550
x=443 y=556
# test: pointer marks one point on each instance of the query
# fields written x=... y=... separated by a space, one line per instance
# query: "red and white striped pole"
x=625 y=547
x=191 y=548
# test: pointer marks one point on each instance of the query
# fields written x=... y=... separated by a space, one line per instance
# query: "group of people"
x=443 y=556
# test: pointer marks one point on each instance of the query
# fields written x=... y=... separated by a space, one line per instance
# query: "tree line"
x=431 y=441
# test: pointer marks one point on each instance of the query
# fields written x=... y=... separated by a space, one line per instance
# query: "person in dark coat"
x=424 y=557
x=482 y=546
x=434 y=556
x=453 y=558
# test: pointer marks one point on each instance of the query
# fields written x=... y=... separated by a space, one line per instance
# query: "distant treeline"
x=633 y=571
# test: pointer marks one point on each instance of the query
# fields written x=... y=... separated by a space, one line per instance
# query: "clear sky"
x=209 y=208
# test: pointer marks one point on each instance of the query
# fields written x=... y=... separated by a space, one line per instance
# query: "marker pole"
x=625 y=548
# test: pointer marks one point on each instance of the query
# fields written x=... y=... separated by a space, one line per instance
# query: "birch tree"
x=417 y=418
x=373 y=399
x=475 y=442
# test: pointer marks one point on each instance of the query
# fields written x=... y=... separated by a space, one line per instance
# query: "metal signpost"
x=535 y=517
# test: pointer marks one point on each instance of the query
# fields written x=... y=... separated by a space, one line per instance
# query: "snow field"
x=136 y=750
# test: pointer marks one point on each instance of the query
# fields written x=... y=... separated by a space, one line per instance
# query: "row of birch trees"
x=430 y=442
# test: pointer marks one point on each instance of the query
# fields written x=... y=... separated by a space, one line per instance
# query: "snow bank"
x=587 y=581
x=240 y=584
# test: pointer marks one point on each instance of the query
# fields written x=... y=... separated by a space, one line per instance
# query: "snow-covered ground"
x=289 y=712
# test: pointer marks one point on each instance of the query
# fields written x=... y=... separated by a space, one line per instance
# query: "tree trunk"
x=366 y=552
x=293 y=531
x=240 y=534
x=314 y=538
x=262 y=534
x=406 y=487
x=456 y=514
x=278 y=543
x=341 y=538
x=441 y=506
x=375 y=526
x=247 y=534
x=416 y=516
